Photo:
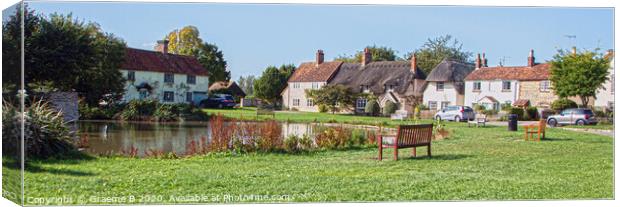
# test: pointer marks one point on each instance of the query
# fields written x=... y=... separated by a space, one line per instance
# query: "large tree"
x=65 y=54
x=335 y=97
x=579 y=74
x=187 y=41
x=271 y=83
x=433 y=51
x=378 y=53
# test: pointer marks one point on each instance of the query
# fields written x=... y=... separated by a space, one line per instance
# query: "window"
x=188 y=96
x=545 y=86
x=168 y=78
x=131 y=75
x=168 y=96
x=432 y=105
x=439 y=86
x=296 y=102
x=444 y=104
x=315 y=85
x=477 y=86
x=191 y=79
x=309 y=102
x=361 y=103
x=296 y=85
x=506 y=85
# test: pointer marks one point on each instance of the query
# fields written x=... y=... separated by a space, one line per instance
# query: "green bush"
x=45 y=132
x=506 y=107
x=531 y=113
x=305 y=143
x=372 y=108
x=139 y=109
x=518 y=111
x=422 y=107
x=563 y=103
x=291 y=144
x=489 y=112
x=323 y=108
x=165 y=112
x=389 y=108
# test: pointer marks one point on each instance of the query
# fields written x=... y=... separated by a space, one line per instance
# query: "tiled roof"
x=309 y=72
x=523 y=73
x=522 y=103
x=145 y=60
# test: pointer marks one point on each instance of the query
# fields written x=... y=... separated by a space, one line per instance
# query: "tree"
x=335 y=97
x=377 y=54
x=272 y=82
x=187 y=41
x=247 y=84
x=433 y=51
x=66 y=54
x=578 y=74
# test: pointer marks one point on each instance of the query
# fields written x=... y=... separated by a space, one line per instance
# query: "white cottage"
x=159 y=75
x=445 y=84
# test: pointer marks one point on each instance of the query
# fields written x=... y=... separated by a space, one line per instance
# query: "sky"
x=254 y=36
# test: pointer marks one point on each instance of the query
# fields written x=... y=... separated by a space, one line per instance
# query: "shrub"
x=323 y=108
x=269 y=136
x=479 y=108
x=422 y=107
x=305 y=143
x=389 y=108
x=139 y=109
x=563 y=103
x=45 y=132
x=333 y=138
x=489 y=112
x=531 y=113
x=165 y=112
x=518 y=111
x=291 y=144
x=506 y=107
x=372 y=108
x=221 y=135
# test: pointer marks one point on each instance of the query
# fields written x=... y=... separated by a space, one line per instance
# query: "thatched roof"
x=451 y=71
x=228 y=86
x=378 y=75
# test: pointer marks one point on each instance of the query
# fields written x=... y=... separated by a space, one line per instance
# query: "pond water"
x=114 y=137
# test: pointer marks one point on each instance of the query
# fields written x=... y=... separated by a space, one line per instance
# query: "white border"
x=522 y=3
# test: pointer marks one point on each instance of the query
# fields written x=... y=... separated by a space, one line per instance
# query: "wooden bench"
x=535 y=129
x=407 y=136
x=478 y=120
x=265 y=111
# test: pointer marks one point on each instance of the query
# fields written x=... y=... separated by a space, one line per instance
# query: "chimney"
x=414 y=63
x=530 y=59
x=484 y=61
x=367 y=58
x=477 y=61
x=162 y=46
x=320 y=57
x=574 y=50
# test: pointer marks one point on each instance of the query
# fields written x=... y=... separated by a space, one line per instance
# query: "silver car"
x=572 y=116
x=455 y=113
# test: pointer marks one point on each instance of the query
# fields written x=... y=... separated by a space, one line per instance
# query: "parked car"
x=578 y=116
x=455 y=113
x=218 y=101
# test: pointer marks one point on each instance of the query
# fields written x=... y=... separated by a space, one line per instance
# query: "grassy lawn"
x=249 y=113
x=597 y=126
x=474 y=164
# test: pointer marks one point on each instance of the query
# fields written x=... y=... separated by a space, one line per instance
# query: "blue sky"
x=254 y=36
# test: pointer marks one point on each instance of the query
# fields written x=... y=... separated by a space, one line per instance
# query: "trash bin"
x=512 y=122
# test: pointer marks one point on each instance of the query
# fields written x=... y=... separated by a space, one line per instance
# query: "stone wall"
x=530 y=90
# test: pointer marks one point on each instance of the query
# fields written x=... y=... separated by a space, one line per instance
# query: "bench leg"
x=429 y=150
x=380 y=148
x=413 y=151
x=395 y=153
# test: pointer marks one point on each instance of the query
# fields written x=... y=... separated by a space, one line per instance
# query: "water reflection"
x=111 y=137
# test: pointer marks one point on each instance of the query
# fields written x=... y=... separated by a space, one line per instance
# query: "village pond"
x=118 y=137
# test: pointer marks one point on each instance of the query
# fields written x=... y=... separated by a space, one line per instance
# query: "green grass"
x=249 y=113
x=597 y=126
x=474 y=164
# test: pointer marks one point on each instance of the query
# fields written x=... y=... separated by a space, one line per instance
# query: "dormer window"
x=439 y=86
x=365 y=88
